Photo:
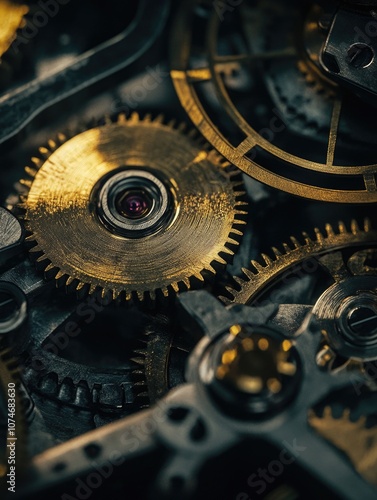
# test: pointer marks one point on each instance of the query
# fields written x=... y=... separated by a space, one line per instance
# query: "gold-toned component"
x=235 y=330
x=353 y=438
x=263 y=344
x=286 y=368
x=287 y=345
x=274 y=385
x=261 y=275
x=255 y=364
x=11 y=19
x=86 y=241
x=302 y=176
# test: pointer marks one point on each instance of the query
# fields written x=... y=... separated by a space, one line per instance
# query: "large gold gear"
x=312 y=177
x=353 y=438
x=95 y=230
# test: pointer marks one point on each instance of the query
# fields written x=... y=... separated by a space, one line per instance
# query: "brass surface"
x=75 y=248
x=260 y=276
x=11 y=19
x=353 y=438
x=214 y=66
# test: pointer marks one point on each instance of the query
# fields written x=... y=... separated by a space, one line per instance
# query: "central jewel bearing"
x=134 y=203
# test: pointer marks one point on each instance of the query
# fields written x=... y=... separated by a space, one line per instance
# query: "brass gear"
x=262 y=274
x=353 y=438
x=326 y=176
x=132 y=209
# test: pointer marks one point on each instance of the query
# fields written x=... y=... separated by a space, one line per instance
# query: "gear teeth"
x=355 y=229
x=159 y=119
x=122 y=118
x=295 y=242
x=134 y=117
x=266 y=259
x=367 y=225
x=319 y=236
x=138 y=360
x=342 y=228
x=329 y=231
x=32 y=172
x=307 y=238
x=37 y=162
x=248 y=273
x=276 y=252
x=35 y=248
x=45 y=152
x=61 y=138
x=259 y=268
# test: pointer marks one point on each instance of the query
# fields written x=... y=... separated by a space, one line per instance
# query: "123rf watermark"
x=11 y=438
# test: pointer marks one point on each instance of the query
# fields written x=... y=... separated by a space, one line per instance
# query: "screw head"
x=360 y=55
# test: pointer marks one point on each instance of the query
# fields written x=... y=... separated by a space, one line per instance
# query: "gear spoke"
x=319 y=458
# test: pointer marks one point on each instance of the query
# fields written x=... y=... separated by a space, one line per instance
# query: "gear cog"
x=354 y=438
x=128 y=195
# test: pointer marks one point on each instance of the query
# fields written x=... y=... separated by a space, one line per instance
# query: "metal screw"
x=363 y=321
x=360 y=55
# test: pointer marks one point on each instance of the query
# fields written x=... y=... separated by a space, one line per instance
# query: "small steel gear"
x=12 y=18
x=133 y=194
x=353 y=438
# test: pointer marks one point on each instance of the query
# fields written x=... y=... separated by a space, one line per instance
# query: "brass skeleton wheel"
x=200 y=66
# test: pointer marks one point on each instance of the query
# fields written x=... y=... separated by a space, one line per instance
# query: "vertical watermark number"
x=11 y=438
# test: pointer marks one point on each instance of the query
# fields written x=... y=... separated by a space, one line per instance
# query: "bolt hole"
x=92 y=450
x=360 y=55
x=198 y=432
x=178 y=414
